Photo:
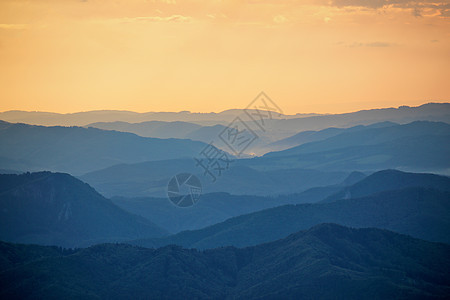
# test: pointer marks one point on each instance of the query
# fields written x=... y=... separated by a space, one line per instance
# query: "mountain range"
x=298 y=122
x=420 y=146
x=151 y=178
x=309 y=136
x=336 y=206
x=420 y=209
x=217 y=207
x=283 y=131
x=106 y=116
x=325 y=262
x=58 y=209
x=416 y=146
x=267 y=141
x=185 y=130
x=390 y=180
x=78 y=150
x=212 y=208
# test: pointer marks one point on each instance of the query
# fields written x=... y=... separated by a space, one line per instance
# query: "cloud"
x=280 y=19
x=359 y=3
x=13 y=26
x=445 y=13
x=417 y=7
x=167 y=1
x=172 y=18
x=373 y=44
x=417 y=12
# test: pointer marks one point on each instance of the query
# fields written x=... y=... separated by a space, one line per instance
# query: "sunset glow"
x=142 y=55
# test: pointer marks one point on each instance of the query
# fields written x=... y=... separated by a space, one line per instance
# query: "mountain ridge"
x=418 y=211
x=78 y=150
x=322 y=262
x=58 y=209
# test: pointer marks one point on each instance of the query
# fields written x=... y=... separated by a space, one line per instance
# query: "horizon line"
x=212 y=112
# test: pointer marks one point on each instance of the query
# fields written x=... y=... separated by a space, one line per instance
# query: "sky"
x=323 y=56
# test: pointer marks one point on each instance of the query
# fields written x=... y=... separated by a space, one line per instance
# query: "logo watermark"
x=184 y=189
x=213 y=161
x=262 y=108
x=237 y=136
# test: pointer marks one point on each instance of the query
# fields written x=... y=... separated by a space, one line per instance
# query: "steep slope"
x=79 y=150
x=57 y=209
x=419 y=212
x=325 y=262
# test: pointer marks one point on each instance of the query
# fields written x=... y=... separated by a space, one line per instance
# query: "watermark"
x=237 y=136
x=262 y=108
x=213 y=161
x=184 y=189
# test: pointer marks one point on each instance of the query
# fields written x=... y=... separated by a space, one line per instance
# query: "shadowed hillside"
x=79 y=150
x=327 y=261
x=57 y=209
x=419 y=212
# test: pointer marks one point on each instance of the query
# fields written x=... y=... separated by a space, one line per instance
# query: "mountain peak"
x=58 y=209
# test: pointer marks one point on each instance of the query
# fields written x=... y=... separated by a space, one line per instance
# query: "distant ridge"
x=77 y=150
x=417 y=146
x=428 y=111
x=314 y=136
x=391 y=180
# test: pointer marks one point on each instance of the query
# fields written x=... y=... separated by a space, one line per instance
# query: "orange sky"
x=203 y=56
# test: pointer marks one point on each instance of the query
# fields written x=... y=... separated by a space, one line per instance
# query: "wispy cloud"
x=172 y=18
x=359 y=3
x=13 y=26
x=280 y=19
x=417 y=8
x=373 y=44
